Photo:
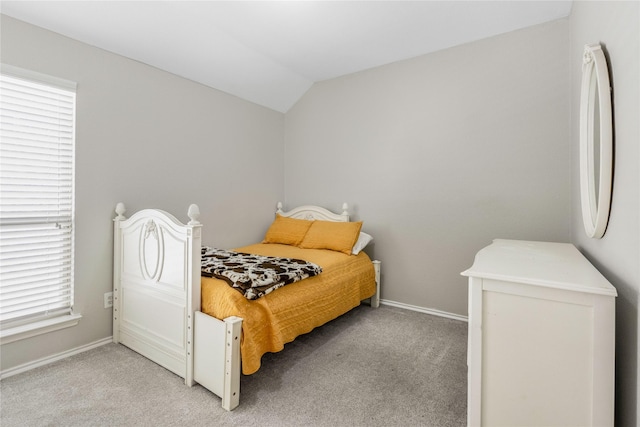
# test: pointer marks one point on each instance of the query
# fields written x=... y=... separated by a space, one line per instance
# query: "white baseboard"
x=53 y=358
x=431 y=311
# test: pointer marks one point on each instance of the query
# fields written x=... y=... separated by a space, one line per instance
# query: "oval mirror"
x=596 y=142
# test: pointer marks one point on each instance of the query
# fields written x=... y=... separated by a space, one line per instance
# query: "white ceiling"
x=271 y=52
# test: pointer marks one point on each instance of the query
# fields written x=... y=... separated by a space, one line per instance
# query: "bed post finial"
x=194 y=214
x=279 y=208
x=345 y=209
x=120 y=210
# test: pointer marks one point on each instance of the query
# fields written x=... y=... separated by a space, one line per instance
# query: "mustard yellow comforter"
x=279 y=317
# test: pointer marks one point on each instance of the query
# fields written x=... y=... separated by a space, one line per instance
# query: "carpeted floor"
x=384 y=367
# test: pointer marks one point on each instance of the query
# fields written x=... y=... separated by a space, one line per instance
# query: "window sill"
x=37 y=328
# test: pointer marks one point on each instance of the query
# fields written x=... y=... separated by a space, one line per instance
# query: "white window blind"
x=37 y=137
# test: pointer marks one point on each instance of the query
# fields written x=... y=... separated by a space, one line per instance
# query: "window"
x=37 y=138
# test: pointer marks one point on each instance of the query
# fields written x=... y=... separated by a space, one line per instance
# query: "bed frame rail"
x=217 y=367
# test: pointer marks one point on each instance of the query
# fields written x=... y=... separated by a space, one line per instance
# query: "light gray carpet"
x=384 y=367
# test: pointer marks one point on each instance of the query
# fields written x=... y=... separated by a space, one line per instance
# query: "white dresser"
x=541 y=337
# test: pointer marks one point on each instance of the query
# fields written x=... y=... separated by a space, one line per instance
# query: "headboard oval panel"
x=312 y=213
x=151 y=250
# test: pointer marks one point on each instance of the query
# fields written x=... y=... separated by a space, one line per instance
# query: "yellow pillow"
x=337 y=236
x=287 y=231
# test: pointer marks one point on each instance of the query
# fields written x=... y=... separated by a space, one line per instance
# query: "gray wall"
x=441 y=154
x=616 y=25
x=149 y=139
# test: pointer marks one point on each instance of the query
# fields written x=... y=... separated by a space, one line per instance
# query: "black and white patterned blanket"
x=255 y=275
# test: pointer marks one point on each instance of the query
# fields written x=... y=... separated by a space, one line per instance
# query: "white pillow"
x=363 y=240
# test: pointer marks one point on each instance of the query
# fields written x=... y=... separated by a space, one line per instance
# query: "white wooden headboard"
x=311 y=213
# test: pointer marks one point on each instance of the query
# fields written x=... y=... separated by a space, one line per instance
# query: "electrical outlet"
x=108 y=299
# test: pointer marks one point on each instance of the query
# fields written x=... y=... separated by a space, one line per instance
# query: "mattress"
x=279 y=317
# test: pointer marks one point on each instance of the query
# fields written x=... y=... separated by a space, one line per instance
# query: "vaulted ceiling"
x=271 y=52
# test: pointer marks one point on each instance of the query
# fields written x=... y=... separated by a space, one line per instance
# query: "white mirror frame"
x=595 y=122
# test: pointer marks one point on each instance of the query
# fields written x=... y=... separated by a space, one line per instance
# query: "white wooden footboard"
x=156 y=299
x=157 y=286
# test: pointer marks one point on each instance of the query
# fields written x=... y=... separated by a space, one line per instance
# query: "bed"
x=206 y=331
